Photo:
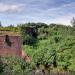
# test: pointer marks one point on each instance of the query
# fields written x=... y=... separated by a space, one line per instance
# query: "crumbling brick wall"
x=13 y=49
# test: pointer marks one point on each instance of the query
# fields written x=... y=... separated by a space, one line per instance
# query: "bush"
x=14 y=65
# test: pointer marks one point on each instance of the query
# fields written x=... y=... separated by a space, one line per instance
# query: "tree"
x=56 y=51
x=73 y=22
x=11 y=25
x=29 y=33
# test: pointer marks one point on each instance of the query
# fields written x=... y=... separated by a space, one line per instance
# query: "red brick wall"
x=14 y=49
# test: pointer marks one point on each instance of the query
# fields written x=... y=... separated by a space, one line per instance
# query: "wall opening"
x=7 y=40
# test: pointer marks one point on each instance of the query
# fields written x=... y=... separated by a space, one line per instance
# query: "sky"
x=46 y=11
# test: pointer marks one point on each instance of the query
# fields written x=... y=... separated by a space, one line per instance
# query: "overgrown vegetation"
x=50 y=47
x=54 y=46
x=14 y=66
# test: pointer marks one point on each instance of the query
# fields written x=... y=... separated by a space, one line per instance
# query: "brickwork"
x=13 y=49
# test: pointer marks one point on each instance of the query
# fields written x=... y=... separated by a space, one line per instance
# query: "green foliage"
x=55 y=47
x=52 y=46
x=28 y=33
x=9 y=28
x=14 y=65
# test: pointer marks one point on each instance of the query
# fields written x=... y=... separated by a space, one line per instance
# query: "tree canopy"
x=52 y=46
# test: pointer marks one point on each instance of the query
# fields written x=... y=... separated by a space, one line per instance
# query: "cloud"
x=62 y=14
x=5 y=8
x=48 y=11
x=64 y=19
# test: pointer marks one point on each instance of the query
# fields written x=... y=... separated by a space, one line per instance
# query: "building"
x=10 y=45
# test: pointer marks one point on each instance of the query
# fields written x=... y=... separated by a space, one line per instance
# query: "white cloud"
x=47 y=11
x=61 y=15
x=10 y=7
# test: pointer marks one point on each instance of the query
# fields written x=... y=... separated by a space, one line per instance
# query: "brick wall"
x=14 y=49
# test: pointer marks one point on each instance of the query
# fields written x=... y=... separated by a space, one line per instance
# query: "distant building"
x=10 y=45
